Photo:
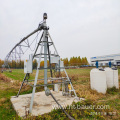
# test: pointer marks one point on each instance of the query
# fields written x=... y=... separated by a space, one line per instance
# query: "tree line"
x=74 y=61
x=18 y=64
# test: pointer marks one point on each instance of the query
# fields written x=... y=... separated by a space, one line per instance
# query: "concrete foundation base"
x=42 y=103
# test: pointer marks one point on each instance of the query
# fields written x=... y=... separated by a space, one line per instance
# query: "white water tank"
x=112 y=77
x=98 y=80
x=109 y=77
x=116 y=81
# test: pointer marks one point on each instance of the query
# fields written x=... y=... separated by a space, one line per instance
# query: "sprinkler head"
x=44 y=16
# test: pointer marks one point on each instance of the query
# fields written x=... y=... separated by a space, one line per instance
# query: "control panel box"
x=28 y=66
x=55 y=60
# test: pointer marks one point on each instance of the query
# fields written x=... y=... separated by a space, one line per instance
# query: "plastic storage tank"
x=98 y=80
x=112 y=77
x=109 y=77
x=116 y=81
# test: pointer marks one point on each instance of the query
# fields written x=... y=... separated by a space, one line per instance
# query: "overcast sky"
x=78 y=27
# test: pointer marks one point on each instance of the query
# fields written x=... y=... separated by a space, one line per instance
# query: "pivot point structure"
x=56 y=66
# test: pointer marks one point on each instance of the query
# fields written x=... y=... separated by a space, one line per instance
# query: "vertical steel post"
x=45 y=37
x=35 y=82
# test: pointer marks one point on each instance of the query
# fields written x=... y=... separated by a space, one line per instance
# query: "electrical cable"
x=71 y=118
x=27 y=77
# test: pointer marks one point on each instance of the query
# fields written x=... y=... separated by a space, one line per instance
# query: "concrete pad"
x=42 y=103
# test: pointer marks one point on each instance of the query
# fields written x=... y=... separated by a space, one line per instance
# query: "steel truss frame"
x=43 y=43
x=18 y=50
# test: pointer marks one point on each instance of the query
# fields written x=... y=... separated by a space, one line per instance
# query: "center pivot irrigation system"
x=43 y=51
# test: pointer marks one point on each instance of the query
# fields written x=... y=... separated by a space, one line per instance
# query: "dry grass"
x=2 y=100
x=84 y=91
x=73 y=77
x=109 y=98
x=11 y=84
x=4 y=78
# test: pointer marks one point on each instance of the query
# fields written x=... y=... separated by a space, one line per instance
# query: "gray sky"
x=78 y=27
